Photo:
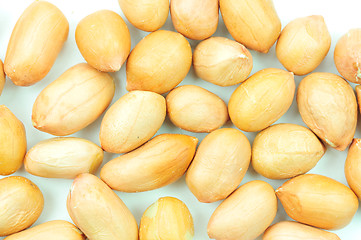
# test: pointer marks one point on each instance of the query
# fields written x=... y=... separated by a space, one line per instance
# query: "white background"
x=340 y=16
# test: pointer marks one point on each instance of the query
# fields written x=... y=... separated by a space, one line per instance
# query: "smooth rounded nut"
x=35 y=43
x=196 y=20
x=103 y=39
x=147 y=15
x=223 y=154
x=13 y=142
x=303 y=44
x=222 y=61
x=262 y=99
x=131 y=121
x=73 y=101
x=347 y=55
x=167 y=218
x=195 y=109
x=63 y=158
x=318 y=201
x=327 y=105
x=159 y=162
x=21 y=203
x=254 y=23
x=353 y=167
x=2 y=77
x=55 y=230
x=285 y=150
x=98 y=212
x=245 y=214
x=159 y=62
x=288 y=230
x=358 y=95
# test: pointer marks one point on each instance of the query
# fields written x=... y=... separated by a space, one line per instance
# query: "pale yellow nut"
x=98 y=212
x=353 y=167
x=222 y=61
x=288 y=230
x=286 y=150
x=220 y=163
x=347 y=55
x=73 y=101
x=318 y=201
x=195 y=19
x=159 y=162
x=63 y=158
x=245 y=214
x=328 y=106
x=13 y=142
x=2 y=77
x=254 y=23
x=195 y=109
x=35 y=42
x=132 y=121
x=103 y=39
x=55 y=230
x=167 y=218
x=262 y=99
x=303 y=44
x=21 y=203
x=159 y=62
x=147 y=15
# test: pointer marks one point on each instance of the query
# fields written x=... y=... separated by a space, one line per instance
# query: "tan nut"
x=147 y=15
x=195 y=109
x=303 y=44
x=13 y=142
x=131 y=121
x=318 y=201
x=103 y=39
x=2 y=77
x=220 y=163
x=245 y=214
x=55 y=230
x=21 y=203
x=286 y=150
x=288 y=230
x=327 y=105
x=159 y=62
x=222 y=61
x=347 y=55
x=254 y=23
x=73 y=101
x=159 y=162
x=35 y=42
x=353 y=167
x=63 y=158
x=98 y=212
x=167 y=218
x=262 y=99
x=195 y=19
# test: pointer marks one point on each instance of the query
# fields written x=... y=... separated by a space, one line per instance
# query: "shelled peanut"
x=73 y=101
x=12 y=142
x=21 y=203
x=147 y=15
x=152 y=159
x=63 y=158
x=2 y=77
x=103 y=39
x=35 y=43
x=167 y=218
x=327 y=104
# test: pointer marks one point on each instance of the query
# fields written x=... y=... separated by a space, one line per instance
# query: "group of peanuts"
x=213 y=171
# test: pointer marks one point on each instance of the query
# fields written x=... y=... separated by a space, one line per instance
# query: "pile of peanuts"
x=213 y=168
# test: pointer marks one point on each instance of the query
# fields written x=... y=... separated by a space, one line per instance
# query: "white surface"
x=340 y=16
